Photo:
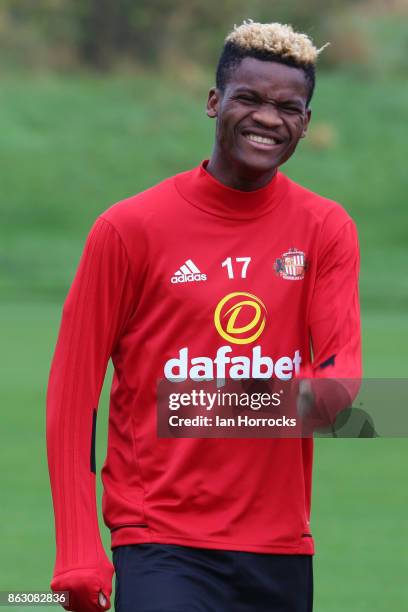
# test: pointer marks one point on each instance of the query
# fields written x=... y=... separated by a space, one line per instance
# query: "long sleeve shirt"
x=158 y=283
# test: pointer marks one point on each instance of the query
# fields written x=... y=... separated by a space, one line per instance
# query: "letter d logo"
x=240 y=317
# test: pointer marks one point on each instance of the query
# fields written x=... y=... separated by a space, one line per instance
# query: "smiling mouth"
x=263 y=141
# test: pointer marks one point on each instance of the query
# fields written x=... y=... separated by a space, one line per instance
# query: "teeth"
x=261 y=139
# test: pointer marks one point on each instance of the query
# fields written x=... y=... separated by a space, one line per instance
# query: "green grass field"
x=69 y=148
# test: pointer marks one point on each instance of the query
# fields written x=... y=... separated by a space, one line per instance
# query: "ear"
x=213 y=103
x=306 y=122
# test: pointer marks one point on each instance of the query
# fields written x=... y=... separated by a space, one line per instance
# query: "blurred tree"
x=100 y=33
x=147 y=32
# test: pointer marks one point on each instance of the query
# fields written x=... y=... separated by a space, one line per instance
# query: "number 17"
x=228 y=264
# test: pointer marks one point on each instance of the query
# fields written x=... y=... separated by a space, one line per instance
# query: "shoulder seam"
x=101 y=218
x=348 y=221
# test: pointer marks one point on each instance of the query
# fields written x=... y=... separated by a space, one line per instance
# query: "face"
x=261 y=115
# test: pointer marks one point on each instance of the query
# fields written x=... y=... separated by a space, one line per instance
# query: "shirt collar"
x=205 y=192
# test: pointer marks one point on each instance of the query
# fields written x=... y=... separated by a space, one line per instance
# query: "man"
x=168 y=285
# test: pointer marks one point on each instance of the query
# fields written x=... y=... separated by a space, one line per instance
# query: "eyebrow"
x=247 y=90
x=255 y=93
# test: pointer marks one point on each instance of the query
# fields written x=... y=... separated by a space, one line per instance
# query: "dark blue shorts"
x=173 y=578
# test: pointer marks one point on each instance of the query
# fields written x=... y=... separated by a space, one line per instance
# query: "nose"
x=267 y=115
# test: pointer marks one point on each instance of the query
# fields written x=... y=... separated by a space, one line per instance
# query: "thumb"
x=305 y=399
x=102 y=600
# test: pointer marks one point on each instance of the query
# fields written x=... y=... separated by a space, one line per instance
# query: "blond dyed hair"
x=275 y=38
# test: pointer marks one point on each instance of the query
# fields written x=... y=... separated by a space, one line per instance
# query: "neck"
x=237 y=177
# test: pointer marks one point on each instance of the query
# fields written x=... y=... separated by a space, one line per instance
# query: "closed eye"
x=249 y=99
x=292 y=109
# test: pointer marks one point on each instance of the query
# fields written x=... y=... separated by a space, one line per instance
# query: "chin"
x=258 y=164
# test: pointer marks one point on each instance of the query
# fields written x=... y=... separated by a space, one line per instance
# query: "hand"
x=305 y=398
x=306 y=408
x=103 y=601
x=89 y=588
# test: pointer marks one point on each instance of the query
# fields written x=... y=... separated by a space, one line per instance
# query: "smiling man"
x=265 y=82
x=231 y=270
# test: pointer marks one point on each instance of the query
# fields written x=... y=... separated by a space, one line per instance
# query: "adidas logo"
x=188 y=273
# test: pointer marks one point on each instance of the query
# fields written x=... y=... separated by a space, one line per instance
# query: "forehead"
x=269 y=79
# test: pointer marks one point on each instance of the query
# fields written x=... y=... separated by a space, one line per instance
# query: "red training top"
x=155 y=270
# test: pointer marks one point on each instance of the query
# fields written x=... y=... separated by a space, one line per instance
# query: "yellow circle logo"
x=250 y=311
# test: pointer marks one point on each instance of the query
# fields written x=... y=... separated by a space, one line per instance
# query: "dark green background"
x=72 y=144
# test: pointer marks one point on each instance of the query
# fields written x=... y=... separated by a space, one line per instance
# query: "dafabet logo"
x=240 y=317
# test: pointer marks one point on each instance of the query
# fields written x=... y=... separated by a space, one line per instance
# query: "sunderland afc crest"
x=292 y=265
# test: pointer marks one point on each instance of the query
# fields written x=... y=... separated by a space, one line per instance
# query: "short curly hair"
x=273 y=42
